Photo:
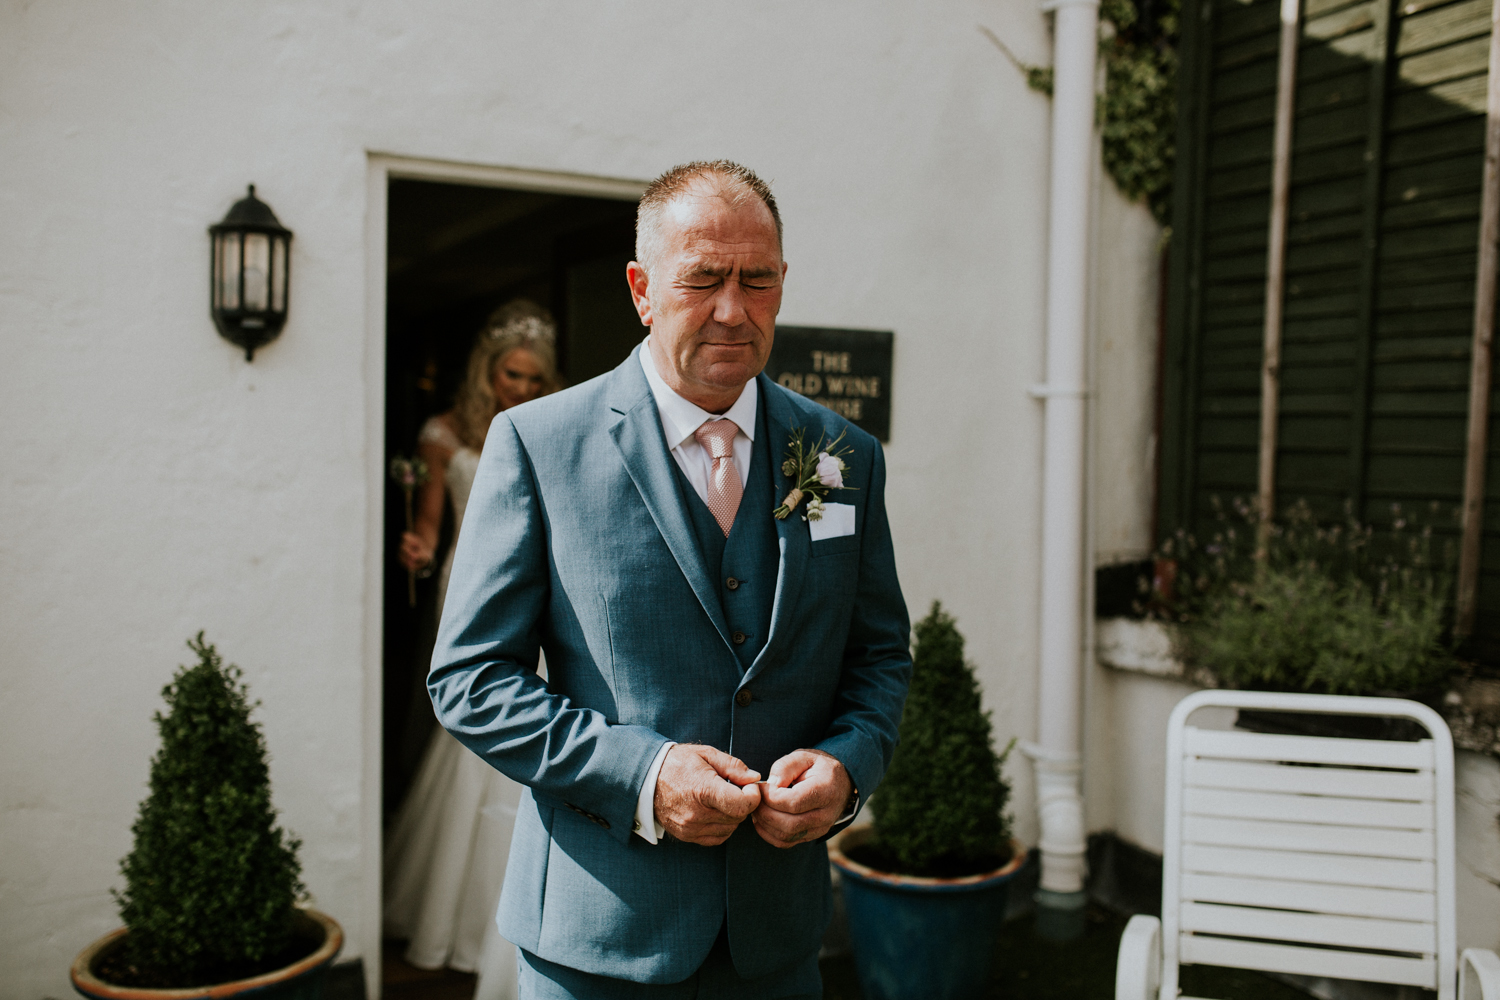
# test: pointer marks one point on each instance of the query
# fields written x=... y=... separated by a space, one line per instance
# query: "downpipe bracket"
x=1042 y=390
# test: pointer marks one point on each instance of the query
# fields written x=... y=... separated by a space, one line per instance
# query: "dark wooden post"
x=1281 y=182
x=1481 y=365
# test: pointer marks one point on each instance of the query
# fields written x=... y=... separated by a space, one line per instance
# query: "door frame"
x=381 y=168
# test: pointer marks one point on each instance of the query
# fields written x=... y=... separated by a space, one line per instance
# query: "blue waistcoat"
x=749 y=555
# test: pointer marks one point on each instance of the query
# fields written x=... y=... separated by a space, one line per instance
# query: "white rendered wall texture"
x=1124 y=331
x=1127 y=273
x=157 y=484
x=1477 y=821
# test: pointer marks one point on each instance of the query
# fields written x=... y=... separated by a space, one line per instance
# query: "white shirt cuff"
x=645 y=825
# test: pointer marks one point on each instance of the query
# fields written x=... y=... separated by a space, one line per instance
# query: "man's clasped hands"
x=702 y=794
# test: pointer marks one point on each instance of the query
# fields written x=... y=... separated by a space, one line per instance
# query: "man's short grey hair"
x=732 y=180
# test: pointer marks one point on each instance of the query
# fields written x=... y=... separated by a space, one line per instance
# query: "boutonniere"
x=813 y=470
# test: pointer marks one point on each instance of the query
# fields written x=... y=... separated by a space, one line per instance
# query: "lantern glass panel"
x=257 y=272
x=278 y=274
x=227 y=280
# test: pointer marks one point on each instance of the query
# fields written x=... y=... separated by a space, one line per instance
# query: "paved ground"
x=1029 y=968
x=1026 y=968
x=405 y=982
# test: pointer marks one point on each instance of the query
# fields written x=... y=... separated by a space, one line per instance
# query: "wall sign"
x=848 y=371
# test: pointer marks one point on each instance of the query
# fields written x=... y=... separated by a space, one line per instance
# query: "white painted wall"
x=1126 y=277
x=157 y=484
x=1477 y=805
x=1127 y=274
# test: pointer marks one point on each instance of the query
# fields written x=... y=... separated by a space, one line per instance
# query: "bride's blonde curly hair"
x=520 y=324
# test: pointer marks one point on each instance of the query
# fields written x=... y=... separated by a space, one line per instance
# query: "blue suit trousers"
x=715 y=979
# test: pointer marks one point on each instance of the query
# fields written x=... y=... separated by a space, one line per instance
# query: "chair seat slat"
x=1235 y=745
x=1260 y=776
x=1364 y=933
x=1313 y=837
x=1309 y=809
x=1195 y=949
x=1403 y=904
x=1330 y=869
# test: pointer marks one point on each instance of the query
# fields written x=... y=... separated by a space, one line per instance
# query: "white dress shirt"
x=679 y=419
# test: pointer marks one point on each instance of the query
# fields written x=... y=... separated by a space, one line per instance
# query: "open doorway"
x=454 y=253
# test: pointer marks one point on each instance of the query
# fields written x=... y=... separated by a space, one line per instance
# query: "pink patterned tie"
x=724 y=486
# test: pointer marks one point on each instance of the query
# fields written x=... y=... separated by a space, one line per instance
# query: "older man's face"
x=712 y=295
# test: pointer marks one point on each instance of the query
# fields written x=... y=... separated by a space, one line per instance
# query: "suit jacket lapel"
x=792 y=533
x=638 y=436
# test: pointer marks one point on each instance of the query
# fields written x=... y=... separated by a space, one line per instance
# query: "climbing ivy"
x=1138 y=109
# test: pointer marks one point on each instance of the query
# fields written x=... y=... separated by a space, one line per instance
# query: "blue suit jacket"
x=576 y=541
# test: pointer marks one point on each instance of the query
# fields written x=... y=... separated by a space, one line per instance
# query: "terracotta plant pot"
x=302 y=980
x=921 y=938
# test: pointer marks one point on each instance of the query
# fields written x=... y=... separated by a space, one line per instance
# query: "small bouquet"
x=813 y=471
x=409 y=474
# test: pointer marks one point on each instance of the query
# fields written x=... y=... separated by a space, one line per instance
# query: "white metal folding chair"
x=1306 y=855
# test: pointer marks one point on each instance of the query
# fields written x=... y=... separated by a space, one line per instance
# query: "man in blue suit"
x=708 y=663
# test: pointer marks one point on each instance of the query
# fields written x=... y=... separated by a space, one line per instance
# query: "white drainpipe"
x=1057 y=751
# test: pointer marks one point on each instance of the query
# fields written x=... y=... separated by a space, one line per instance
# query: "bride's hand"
x=416 y=554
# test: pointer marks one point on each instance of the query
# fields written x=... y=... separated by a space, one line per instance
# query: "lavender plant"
x=1336 y=608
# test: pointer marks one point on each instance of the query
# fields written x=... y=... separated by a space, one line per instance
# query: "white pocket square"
x=836 y=522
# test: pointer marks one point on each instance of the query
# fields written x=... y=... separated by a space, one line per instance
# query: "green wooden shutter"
x=1386 y=167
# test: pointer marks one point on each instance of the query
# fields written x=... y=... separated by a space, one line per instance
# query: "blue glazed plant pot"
x=921 y=938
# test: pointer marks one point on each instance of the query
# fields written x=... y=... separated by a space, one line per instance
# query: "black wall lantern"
x=248 y=276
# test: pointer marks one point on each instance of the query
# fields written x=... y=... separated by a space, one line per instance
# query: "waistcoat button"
x=738 y=638
x=743 y=698
x=732 y=583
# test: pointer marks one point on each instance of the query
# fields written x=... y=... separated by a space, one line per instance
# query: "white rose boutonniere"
x=830 y=471
x=813 y=471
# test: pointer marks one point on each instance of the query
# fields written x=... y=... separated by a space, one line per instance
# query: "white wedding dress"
x=445 y=857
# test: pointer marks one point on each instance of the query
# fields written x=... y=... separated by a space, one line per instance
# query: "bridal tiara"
x=528 y=327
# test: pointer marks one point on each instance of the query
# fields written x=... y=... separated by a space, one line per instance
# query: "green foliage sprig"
x=212 y=881
x=1333 y=608
x=1038 y=78
x=941 y=808
x=1138 y=109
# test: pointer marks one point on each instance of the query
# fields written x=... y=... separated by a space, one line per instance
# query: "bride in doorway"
x=446 y=852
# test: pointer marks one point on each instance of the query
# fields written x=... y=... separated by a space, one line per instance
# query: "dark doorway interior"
x=455 y=252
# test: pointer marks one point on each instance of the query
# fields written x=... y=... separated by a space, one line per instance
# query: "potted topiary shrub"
x=925 y=887
x=211 y=885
